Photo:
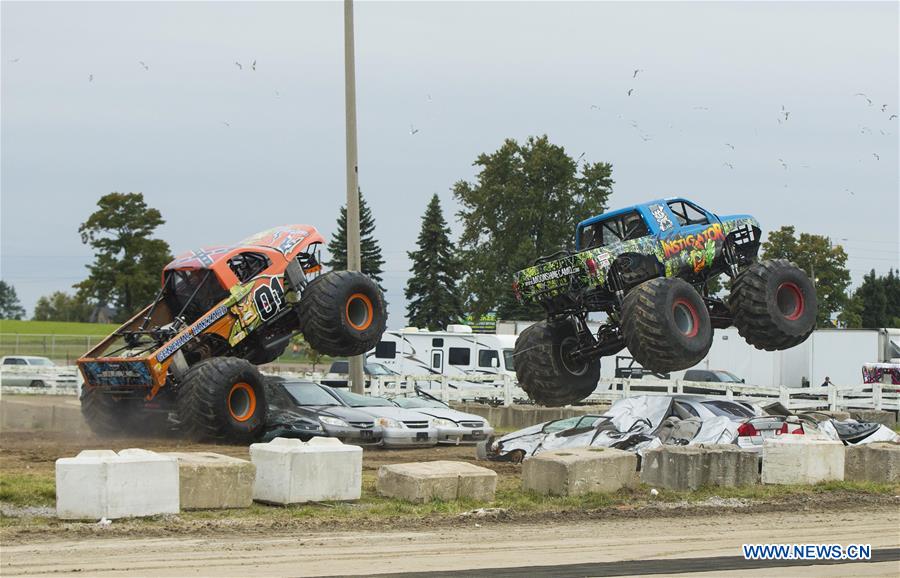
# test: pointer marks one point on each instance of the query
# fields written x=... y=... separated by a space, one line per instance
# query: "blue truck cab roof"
x=646 y=210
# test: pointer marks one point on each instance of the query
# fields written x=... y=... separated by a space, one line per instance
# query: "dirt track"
x=477 y=545
x=36 y=452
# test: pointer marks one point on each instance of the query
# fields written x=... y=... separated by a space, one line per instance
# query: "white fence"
x=47 y=380
x=503 y=389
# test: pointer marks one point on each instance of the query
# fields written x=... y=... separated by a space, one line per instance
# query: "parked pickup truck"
x=339 y=370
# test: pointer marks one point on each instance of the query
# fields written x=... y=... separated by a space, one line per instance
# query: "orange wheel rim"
x=241 y=401
x=359 y=311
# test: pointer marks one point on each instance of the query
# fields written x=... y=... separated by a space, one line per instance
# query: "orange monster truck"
x=188 y=359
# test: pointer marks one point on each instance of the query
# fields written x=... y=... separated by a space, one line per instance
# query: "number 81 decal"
x=269 y=298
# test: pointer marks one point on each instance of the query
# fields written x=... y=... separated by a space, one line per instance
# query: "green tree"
x=876 y=303
x=433 y=297
x=370 y=252
x=10 y=308
x=127 y=261
x=525 y=202
x=826 y=265
x=850 y=316
x=60 y=306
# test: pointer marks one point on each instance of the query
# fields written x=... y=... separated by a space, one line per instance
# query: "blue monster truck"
x=648 y=268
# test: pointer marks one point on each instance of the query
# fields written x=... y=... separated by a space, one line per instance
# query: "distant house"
x=103 y=314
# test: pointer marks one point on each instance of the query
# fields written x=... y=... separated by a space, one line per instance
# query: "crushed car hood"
x=451 y=414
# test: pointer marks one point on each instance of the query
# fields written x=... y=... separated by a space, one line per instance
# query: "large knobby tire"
x=222 y=398
x=342 y=313
x=108 y=416
x=545 y=370
x=666 y=325
x=774 y=305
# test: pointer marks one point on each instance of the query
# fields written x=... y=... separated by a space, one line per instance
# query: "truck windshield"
x=509 y=360
x=623 y=227
x=202 y=284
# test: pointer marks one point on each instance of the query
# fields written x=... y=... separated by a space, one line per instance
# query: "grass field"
x=58 y=340
x=56 y=328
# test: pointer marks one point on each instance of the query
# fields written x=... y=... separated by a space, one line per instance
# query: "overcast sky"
x=224 y=152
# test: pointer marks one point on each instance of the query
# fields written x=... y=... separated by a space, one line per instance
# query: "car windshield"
x=39 y=361
x=356 y=400
x=309 y=394
x=727 y=377
x=377 y=369
x=568 y=423
x=418 y=402
x=727 y=408
x=509 y=360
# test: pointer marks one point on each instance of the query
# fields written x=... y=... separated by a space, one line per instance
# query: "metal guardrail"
x=503 y=389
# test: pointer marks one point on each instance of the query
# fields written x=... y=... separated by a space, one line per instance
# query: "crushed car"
x=303 y=409
x=400 y=427
x=643 y=422
x=453 y=426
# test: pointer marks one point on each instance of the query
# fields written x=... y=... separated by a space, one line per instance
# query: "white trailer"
x=838 y=354
x=455 y=352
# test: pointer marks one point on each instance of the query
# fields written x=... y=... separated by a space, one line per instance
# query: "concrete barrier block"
x=798 y=460
x=579 y=471
x=876 y=462
x=691 y=467
x=289 y=471
x=439 y=480
x=212 y=481
x=102 y=484
x=884 y=417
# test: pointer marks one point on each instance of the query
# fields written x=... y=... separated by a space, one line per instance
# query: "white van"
x=454 y=352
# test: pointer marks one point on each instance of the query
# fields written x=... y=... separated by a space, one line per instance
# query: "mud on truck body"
x=188 y=360
x=647 y=267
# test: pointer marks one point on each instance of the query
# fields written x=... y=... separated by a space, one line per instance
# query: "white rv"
x=455 y=352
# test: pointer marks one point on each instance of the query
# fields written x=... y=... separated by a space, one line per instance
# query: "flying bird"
x=783 y=164
x=277 y=95
x=787 y=113
x=701 y=108
x=729 y=165
x=869 y=100
x=630 y=90
x=851 y=192
x=253 y=65
x=239 y=65
x=413 y=130
x=646 y=137
x=90 y=78
x=877 y=158
x=883 y=108
x=143 y=64
x=730 y=145
x=892 y=117
x=227 y=124
x=14 y=60
x=636 y=70
x=428 y=96
x=593 y=106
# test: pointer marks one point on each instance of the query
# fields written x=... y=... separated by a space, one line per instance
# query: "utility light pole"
x=353 y=257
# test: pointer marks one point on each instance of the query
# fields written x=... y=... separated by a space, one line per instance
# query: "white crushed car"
x=642 y=422
x=453 y=426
